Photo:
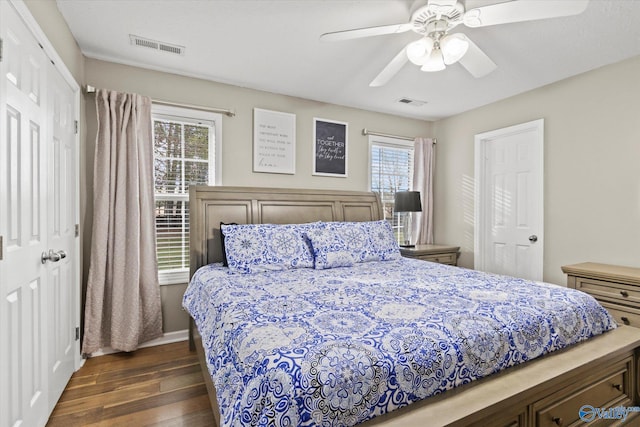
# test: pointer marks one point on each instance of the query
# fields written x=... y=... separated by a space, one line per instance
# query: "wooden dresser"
x=616 y=288
x=434 y=253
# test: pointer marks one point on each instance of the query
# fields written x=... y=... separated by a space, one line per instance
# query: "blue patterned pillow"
x=252 y=248
x=342 y=244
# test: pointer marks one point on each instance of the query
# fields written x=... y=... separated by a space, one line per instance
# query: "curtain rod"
x=366 y=132
x=230 y=113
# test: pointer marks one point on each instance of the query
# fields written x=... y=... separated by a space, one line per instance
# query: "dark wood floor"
x=154 y=386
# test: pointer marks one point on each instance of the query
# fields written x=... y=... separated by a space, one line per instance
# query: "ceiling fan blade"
x=522 y=10
x=391 y=69
x=365 y=32
x=441 y=6
x=476 y=61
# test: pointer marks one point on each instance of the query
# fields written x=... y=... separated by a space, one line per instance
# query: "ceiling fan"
x=439 y=47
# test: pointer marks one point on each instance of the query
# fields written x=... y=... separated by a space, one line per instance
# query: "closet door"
x=37 y=183
x=23 y=190
x=61 y=220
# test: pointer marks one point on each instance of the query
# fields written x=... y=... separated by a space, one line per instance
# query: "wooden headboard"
x=208 y=206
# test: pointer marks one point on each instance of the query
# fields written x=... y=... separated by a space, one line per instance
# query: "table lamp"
x=407 y=202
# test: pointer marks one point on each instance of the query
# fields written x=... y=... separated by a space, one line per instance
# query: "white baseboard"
x=167 y=338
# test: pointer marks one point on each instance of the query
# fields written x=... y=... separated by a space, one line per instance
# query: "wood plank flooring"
x=153 y=386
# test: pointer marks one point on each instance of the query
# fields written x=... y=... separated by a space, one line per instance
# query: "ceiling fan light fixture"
x=418 y=51
x=437 y=18
x=435 y=61
x=453 y=47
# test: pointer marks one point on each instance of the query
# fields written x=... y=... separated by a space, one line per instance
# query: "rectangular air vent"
x=156 y=45
x=412 y=102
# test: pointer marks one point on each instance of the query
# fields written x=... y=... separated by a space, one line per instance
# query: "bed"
x=548 y=390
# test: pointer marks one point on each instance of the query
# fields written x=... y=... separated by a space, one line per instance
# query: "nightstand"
x=434 y=253
x=616 y=288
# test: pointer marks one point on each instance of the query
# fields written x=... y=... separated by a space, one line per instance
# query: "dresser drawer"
x=435 y=253
x=610 y=389
x=441 y=258
x=609 y=290
x=623 y=315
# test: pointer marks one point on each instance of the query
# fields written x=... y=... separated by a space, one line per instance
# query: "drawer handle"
x=624 y=293
x=625 y=320
x=557 y=420
x=618 y=387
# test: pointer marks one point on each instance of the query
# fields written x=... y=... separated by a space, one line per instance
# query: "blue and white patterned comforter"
x=339 y=346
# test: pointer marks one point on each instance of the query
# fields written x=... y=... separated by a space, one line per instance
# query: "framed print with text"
x=274 y=141
x=329 y=147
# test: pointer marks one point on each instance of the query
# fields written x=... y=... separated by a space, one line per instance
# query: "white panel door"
x=510 y=201
x=61 y=288
x=36 y=298
x=23 y=190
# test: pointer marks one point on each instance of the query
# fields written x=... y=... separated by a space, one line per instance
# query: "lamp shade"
x=453 y=47
x=418 y=52
x=435 y=62
x=407 y=201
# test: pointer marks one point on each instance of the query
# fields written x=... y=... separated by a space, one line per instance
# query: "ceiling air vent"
x=412 y=102
x=156 y=45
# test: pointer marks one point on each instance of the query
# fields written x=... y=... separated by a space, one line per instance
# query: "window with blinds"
x=184 y=154
x=391 y=170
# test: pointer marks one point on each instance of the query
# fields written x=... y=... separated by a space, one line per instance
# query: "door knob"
x=533 y=238
x=53 y=256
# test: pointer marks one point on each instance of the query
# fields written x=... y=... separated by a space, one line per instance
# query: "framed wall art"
x=274 y=141
x=329 y=147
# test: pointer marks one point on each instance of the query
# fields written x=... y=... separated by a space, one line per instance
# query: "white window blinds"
x=391 y=170
x=184 y=155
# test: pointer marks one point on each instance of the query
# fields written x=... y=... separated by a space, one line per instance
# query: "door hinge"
x=77 y=333
x=1 y=246
x=76 y=126
x=1 y=50
x=77 y=230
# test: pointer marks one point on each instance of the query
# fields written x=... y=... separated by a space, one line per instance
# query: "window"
x=391 y=170
x=186 y=152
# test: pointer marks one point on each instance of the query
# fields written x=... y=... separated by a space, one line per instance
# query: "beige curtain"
x=424 y=155
x=122 y=306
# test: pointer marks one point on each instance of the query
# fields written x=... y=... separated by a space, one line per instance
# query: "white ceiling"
x=273 y=45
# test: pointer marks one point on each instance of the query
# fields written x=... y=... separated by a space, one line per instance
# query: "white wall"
x=592 y=167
